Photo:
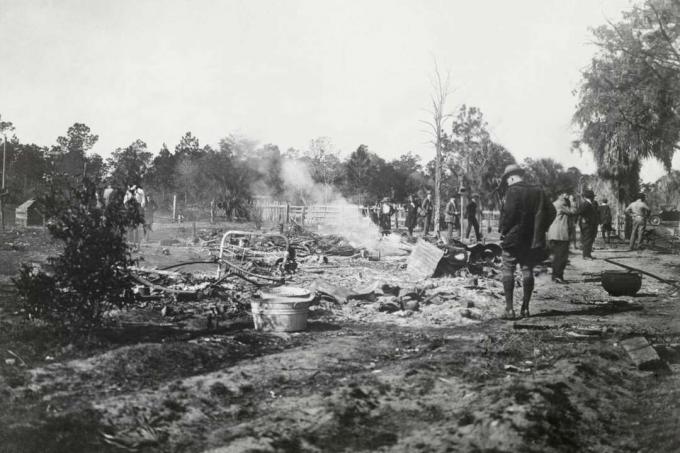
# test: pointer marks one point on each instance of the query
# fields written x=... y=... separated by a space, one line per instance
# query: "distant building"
x=29 y=214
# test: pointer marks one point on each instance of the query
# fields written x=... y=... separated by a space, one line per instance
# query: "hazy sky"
x=285 y=72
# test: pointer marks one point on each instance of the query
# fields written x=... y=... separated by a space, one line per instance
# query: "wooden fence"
x=278 y=213
x=308 y=215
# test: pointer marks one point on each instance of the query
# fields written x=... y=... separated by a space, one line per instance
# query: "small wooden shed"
x=28 y=214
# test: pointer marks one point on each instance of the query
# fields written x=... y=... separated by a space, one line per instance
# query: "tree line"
x=629 y=99
x=238 y=168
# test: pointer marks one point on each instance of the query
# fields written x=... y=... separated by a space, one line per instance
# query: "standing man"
x=525 y=218
x=450 y=216
x=471 y=217
x=149 y=211
x=558 y=234
x=640 y=212
x=385 y=216
x=606 y=220
x=589 y=219
x=135 y=193
x=427 y=210
x=411 y=215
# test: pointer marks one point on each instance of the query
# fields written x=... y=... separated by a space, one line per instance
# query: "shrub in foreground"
x=90 y=276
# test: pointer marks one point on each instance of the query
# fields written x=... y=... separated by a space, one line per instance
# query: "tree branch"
x=664 y=33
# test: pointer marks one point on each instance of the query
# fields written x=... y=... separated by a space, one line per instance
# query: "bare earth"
x=449 y=376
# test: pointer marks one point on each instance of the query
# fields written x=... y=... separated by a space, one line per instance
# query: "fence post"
x=287 y=213
x=174 y=207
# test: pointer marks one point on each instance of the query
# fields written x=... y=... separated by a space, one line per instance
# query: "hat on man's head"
x=513 y=169
x=588 y=193
x=642 y=196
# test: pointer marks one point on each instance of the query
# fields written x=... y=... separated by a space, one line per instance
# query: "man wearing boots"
x=525 y=217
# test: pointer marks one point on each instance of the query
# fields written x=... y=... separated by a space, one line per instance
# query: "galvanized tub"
x=283 y=309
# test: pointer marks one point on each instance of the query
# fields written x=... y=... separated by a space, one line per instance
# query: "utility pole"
x=4 y=127
x=4 y=152
x=2 y=190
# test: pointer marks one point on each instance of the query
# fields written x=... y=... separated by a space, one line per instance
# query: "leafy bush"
x=90 y=276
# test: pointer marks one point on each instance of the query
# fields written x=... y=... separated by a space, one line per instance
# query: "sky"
x=286 y=72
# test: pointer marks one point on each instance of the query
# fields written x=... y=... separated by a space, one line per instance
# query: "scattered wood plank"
x=642 y=354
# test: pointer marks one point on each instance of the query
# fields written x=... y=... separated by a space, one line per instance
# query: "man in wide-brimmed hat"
x=589 y=219
x=525 y=217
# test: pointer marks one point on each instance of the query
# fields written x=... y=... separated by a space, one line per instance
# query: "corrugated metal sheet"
x=424 y=259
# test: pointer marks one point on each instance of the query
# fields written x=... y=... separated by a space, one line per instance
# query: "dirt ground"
x=449 y=375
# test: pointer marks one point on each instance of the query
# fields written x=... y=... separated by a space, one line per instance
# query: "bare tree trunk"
x=437 y=184
x=438 y=99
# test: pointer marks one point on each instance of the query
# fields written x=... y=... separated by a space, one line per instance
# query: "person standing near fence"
x=149 y=211
x=136 y=194
x=589 y=219
x=411 y=215
x=639 y=211
x=471 y=217
x=605 y=220
x=450 y=217
x=427 y=208
x=386 y=212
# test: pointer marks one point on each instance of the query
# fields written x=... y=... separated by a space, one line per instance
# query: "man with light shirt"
x=639 y=211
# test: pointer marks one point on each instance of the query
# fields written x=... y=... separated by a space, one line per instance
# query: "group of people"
x=422 y=212
x=531 y=228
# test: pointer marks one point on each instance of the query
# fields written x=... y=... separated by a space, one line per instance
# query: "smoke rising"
x=343 y=218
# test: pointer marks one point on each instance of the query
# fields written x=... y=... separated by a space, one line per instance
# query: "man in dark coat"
x=589 y=219
x=471 y=217
x=605 y=220
x=526 y=215
x=411 y=214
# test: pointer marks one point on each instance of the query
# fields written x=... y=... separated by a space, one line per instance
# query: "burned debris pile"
x=436 y=281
